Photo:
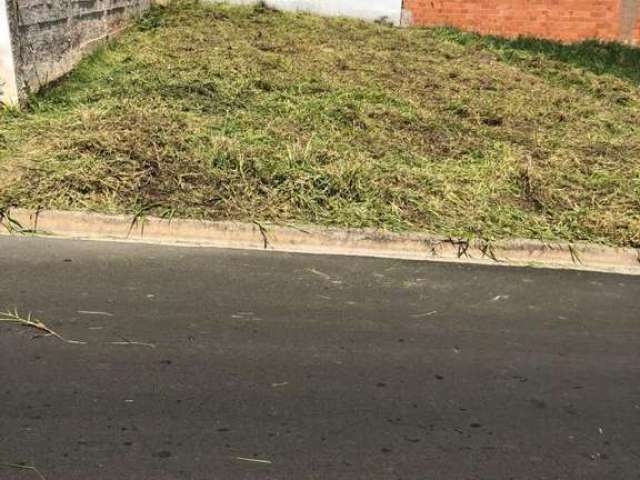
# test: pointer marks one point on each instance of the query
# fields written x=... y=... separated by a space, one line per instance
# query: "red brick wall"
x=566 y=20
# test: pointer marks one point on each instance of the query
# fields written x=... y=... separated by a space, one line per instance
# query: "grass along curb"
x=321 y=240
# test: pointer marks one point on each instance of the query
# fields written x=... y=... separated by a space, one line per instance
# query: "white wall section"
x=388 y=10
x=8 y=86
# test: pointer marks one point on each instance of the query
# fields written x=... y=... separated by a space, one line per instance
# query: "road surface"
x=220 y=364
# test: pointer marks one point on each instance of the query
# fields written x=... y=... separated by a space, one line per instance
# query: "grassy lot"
x=244 y=113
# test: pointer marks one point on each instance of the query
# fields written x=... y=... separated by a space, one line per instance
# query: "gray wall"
x=50 y=36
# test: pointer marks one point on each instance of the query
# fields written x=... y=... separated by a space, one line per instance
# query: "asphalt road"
x=319 y=367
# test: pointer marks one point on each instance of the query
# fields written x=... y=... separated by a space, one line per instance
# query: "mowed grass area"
x=244 y=113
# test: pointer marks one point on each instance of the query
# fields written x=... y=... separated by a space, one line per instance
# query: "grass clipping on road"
x=221 y=112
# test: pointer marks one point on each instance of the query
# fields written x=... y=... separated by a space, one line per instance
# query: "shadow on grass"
x=599 y=57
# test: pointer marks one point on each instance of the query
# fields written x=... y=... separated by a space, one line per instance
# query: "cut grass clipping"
x=30 y=322
x=19 y=466
x=221 y=112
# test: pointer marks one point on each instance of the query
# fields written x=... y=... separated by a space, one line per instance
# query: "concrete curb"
x=319 y=240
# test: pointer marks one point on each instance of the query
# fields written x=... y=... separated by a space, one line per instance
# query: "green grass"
x=244 y=113
x=595 y=56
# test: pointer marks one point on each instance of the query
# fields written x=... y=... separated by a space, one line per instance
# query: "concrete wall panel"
x=388 y=10
x=48 y=37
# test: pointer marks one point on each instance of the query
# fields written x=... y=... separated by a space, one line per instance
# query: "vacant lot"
x=243 y=113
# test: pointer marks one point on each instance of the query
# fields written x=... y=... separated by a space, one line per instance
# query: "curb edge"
x=321 y=240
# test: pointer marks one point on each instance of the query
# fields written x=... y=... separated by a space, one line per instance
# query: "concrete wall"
x=48 y=37
x=388 y=10
x=565 y=20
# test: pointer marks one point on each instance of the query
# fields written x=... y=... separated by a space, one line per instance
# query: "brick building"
x=565 y=20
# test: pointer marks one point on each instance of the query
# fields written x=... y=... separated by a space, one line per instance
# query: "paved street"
x=220 y=364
